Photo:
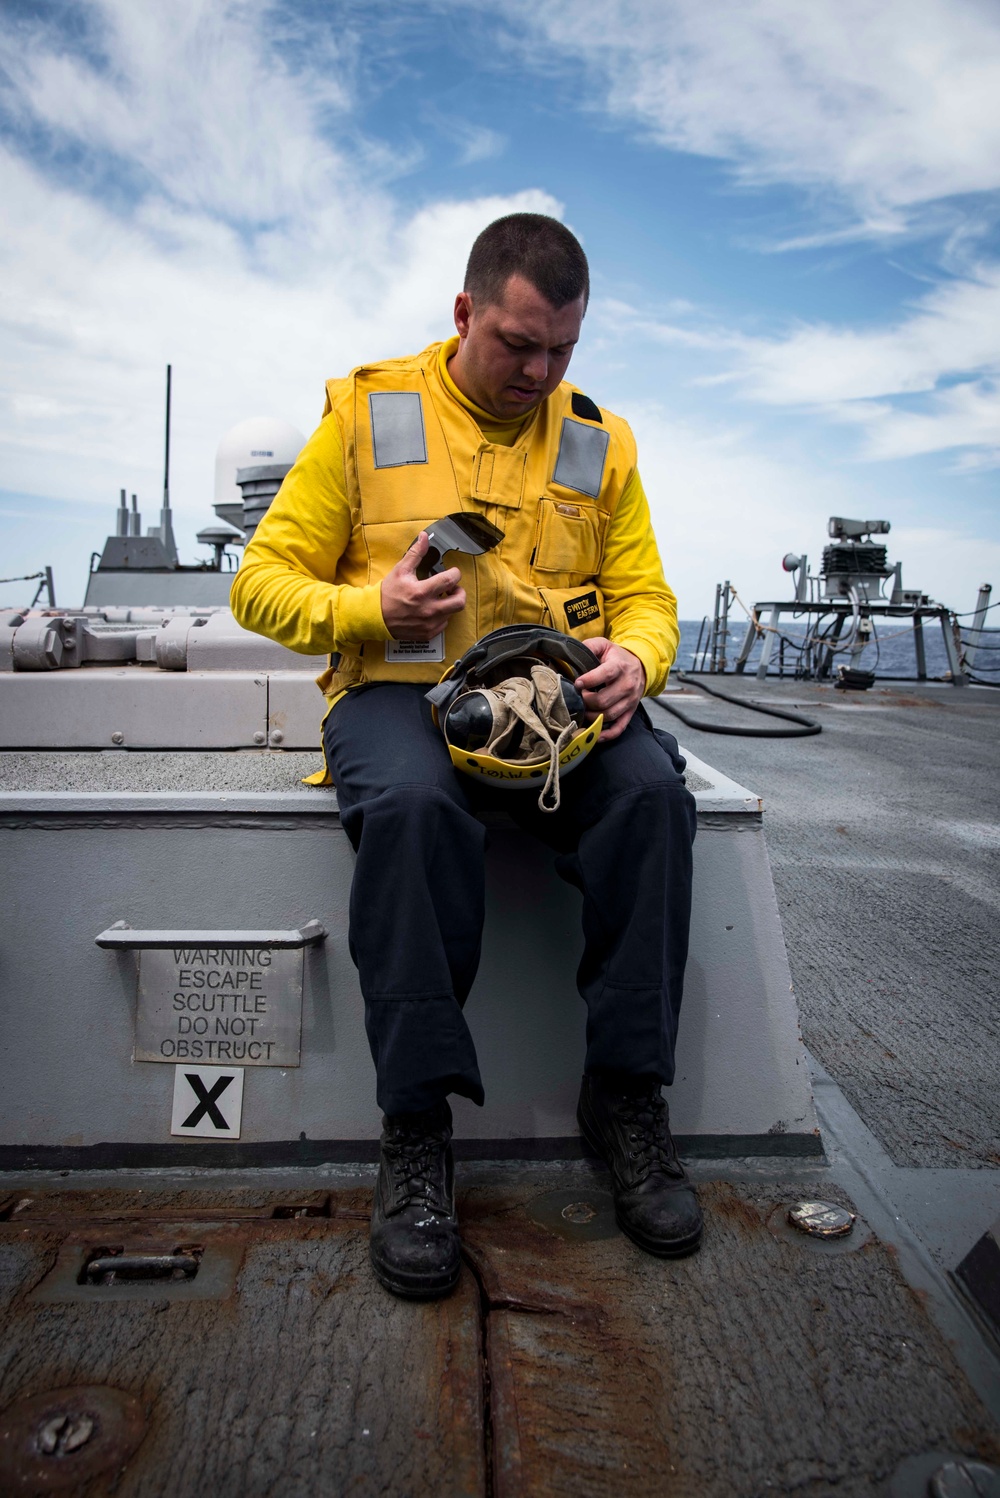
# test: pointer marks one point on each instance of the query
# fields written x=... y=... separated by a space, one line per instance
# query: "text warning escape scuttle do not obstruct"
x=241 y=1005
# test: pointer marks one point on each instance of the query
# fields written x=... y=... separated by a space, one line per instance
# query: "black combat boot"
x=414 y=1234
x=625 y=1122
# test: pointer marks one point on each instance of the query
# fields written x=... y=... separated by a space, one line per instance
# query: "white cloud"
x=951 y=331
x=101 y=306
x=883 y=111
x=479 y=143
x=894 y=104
x=965 y=417
x=12 y=512
x=472 y=142
x=257 y=259
x=196 y=97
x=927 y=382
x=719 y=501
x=619 y=321
x=948 y=563
x=724 y=506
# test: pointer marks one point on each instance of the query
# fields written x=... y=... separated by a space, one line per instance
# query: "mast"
x=166 y=450
x=166 y=526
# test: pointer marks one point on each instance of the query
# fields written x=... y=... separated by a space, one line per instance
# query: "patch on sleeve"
x=584 y=406
x=581 y=610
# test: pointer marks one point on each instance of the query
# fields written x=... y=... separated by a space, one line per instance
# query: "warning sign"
x=237 y=1006
x=208 y=1102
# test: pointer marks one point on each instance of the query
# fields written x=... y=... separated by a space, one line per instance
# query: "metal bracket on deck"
x=121 y=936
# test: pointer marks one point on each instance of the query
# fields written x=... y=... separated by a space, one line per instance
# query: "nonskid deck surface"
x=567 y=1361
x=156 y=770
x=884 y=839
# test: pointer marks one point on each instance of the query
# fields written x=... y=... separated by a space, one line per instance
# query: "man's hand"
x=415 y=609
x=614 y=687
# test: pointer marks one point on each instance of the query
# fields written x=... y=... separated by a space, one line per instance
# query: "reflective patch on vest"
x=397 y=419
x=580 y=464
x=581 y=610
x=403 y=652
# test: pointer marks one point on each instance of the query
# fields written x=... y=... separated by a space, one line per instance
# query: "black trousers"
x=622 y=836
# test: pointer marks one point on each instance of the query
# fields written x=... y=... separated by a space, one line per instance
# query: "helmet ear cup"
x=470 y=723
x=573 y=701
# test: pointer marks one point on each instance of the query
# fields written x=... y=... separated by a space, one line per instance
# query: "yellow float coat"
x=578 y=551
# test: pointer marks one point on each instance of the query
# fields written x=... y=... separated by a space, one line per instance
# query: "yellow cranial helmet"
x=511 y=714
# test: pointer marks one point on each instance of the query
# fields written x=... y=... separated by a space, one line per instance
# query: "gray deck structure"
x=207 y=856
x=178 y=734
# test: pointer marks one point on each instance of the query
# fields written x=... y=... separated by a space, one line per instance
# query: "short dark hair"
x=540 y=249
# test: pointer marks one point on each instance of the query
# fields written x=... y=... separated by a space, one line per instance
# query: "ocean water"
x=891 y=652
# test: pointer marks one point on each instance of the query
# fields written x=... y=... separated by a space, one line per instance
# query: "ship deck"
x=568 y=1361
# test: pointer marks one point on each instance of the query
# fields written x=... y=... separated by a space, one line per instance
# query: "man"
x=486 y=423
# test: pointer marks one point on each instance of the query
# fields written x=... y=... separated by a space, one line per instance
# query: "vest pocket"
x=568 y=537
x=574 y=611
x=498 y=475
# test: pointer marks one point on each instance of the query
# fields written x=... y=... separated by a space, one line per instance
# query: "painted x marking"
x=206 y=1102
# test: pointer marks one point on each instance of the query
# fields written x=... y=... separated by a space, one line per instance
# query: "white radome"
x=261 y=439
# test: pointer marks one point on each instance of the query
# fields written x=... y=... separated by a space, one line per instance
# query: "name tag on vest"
x=581 y=610
x=402 y=652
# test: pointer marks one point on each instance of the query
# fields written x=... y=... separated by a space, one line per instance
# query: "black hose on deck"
x=805 y=727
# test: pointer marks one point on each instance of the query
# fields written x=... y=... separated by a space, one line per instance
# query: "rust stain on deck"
x=561 y=1365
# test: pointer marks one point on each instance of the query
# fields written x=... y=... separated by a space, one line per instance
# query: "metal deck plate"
x=564 y=1362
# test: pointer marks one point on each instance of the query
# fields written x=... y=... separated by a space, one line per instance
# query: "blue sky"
x=790 y=211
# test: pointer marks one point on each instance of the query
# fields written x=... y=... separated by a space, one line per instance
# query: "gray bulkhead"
x=154 y=762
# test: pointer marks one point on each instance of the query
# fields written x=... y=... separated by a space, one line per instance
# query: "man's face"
x=513 y=354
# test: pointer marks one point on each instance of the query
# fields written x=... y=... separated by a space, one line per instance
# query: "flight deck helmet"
x=510 y=712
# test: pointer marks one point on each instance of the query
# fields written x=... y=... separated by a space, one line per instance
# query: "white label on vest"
x=401 y=652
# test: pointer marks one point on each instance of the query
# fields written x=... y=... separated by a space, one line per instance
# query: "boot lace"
x=413 y=1153
x=650 y=1144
